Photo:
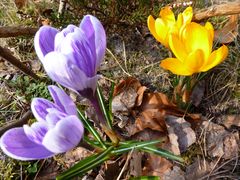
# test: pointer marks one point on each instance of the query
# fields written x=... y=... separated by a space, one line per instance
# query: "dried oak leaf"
x=155 y=108
x=220 y=142
x=229 y=32
x=156 y=166
x=180 y=134
x=127 y=95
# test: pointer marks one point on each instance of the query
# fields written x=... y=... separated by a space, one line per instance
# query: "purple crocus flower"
x=57 y=129
x=71 y=56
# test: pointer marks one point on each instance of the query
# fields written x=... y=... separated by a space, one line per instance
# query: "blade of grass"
x=91 y=129
x=85 y=165
x=103 y=107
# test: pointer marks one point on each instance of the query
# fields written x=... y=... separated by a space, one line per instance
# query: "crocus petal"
x=62 y=100
x=67 y=73
x=177 y=47
x=197 y=37
x=79 y=47
x=17 y=145
x=175 y=66
x=215 y=58
x=65 y=135
x=60 y=37
x=151 y=27
x=167 y=15
x=95 y=32
x=39 y=108
x=210 y=29
x=162 y=31
x=36 y=132
x=194 y=61
x=54 y=116
x=44 y=41
x=187 y=15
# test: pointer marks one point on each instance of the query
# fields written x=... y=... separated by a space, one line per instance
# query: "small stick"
x=18 y=123
x=218 y=10
x=12 y=31
x=7 y=55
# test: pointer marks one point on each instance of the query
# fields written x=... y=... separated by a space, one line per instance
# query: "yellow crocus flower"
x=192 y=47
x=166 y=23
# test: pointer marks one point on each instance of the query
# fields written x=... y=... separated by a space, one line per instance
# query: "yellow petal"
x=210 y=29
x=175 y=66
x=187 y=15
x=177 y=47
x=162 y=31
x=196 y=37
x=180 y=20
x=195 y=61
x=151 y=27
x=215 y=58
x=167 y=15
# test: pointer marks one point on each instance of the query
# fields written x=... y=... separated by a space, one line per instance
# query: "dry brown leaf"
x=180 y=134
x=199 y=169
x=20 y=3
x=75 y=155
x=156 y=166
x=229 y=32
x=127 y=95
x=197 y=93
x=220 y=142
x=231 y=120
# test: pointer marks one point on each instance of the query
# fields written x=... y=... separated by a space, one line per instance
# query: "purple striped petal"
x=78 y=45
x=90 y=25
x=61 y=99
x=65 y=72
x=65 y=135
x=17 y=145
x=54 y=116
x=44 y=41
x=36 y=132
x=60 y=37
x=39 y=108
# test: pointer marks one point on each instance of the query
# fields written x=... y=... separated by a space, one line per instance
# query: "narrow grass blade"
x=103 y=107
x=162 y=152
x=85 y=165
x=91 y=129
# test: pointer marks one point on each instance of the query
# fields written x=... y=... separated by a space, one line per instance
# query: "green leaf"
x=85 y=165
x=134 y=145
x=91 y=129
x=103 y=107
x=162 y=152
x=145 y=178
x=32 y=168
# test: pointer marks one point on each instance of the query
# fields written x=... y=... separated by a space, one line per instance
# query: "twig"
x=62 y=7
x=11 y=31
x=125 y=165
x=218 y=10
x=18 y=123
x=7 y=55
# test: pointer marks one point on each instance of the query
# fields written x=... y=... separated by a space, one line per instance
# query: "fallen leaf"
x=231 y=120
x=229 y=32
x=220 y=142
x=174 y=173
x=127 y=95
x=136 y=164
x=20 y=3
x=180 y=134
x=199 y=169
x=197 y=93
x=156 y=166
x=73 y=156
